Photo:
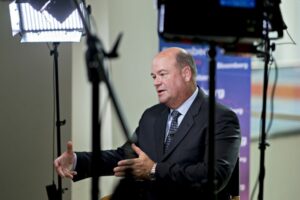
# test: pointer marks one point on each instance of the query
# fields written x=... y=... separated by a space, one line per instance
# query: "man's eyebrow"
x=162 y=70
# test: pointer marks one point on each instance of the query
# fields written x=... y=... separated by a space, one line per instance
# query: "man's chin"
x=162 y=100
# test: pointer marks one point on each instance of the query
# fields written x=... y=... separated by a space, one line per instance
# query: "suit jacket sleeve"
x=108 y=160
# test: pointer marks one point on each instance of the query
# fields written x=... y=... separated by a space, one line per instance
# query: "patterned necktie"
x=173 y=128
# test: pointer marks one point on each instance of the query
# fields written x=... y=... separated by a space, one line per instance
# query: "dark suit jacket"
x=181 y=172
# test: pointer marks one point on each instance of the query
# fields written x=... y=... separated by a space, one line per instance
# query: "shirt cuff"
x=74 y=162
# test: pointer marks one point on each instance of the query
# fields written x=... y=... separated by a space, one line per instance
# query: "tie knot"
x=175 y=114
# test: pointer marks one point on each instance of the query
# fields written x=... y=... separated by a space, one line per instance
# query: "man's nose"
x=157 y=81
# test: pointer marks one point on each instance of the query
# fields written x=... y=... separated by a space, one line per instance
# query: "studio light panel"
x=41 y=26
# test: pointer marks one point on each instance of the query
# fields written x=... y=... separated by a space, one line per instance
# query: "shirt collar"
x=183 y=108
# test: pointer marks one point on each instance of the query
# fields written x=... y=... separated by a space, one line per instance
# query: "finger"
x=136 y=149
x=120 y=169
x=119 y=174
x=70 y=147
x=58 y=167
x=70 y=174
x=67 y=174
x=60 y=172
x=56 y=163
x=74 y=173
x=126 y=162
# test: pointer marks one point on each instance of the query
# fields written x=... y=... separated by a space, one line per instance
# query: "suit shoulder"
x=224 y=110
x=152 y=113
x=155 y=109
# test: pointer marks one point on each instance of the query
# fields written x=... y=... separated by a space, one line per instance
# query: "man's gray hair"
x=184 y=58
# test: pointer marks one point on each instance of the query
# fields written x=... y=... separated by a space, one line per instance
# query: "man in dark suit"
x=170 y=153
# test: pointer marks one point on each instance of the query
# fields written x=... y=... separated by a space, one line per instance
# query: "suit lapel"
x=187 y=123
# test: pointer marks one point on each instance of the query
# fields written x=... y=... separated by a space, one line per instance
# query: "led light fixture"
x=236 y=25
x=46 y=21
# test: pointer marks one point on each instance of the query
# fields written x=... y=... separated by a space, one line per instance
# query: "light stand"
x=52 y=192
x=263 y=144
x=211 y=184
x=211 y=124
x=48 y=21
x=95 y=65
x=95 y=56
x=59 y=123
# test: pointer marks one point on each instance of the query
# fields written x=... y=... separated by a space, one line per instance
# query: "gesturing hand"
x=138 y=167
x=64 y=163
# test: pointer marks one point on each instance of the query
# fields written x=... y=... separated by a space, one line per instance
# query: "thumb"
x=70 y=147
x=136 y=149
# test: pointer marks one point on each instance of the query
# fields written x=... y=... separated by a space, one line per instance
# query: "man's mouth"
x=160 y=92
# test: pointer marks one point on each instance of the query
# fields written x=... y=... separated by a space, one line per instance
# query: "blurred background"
x=27 y=123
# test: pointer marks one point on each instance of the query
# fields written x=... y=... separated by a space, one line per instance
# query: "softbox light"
x=46 y=21
x=234 y=24
x=218 y=20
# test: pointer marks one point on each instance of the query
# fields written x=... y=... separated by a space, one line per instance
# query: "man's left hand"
x=139 y=167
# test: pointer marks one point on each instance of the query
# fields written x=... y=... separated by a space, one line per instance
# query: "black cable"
x=272 y=94
x=291 y=38
x=254 y=188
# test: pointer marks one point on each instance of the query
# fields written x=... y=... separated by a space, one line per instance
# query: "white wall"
x=288 y=54
x=131 y=72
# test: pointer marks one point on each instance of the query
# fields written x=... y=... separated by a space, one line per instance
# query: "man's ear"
x=187 y=73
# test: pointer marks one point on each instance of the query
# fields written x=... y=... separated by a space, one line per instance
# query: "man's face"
x=168 y=80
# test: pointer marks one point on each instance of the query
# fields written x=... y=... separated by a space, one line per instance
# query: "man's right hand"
x=64 y=163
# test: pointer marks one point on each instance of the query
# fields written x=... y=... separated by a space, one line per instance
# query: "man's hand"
x=138 y=167
x=64 y=163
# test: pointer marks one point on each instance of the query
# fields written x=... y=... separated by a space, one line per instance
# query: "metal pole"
x=59 y=123
x=211 y=124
